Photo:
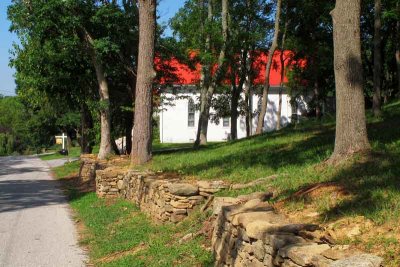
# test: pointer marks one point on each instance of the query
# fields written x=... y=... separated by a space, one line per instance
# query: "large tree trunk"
x=351 y=130
x=398 y=51
x=206 y=95
x=274 y=45
x=142 y=135
x=376 y=100
x=105 y=117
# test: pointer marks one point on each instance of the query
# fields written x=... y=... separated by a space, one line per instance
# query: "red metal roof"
x=179 y=73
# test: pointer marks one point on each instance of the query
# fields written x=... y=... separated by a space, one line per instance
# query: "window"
x=225 y=122
x=191 y=112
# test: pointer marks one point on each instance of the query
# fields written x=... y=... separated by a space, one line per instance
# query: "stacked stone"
x=164 y=199
x=87 y=170
x=253 y=234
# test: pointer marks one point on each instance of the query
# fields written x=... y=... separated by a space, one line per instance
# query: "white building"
x=179 y=117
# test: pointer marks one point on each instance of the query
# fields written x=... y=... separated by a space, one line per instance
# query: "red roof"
x=179 y=73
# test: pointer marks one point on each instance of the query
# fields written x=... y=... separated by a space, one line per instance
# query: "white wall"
x=174 y=118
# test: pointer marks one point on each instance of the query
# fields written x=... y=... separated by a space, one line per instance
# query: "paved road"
x=36 y=228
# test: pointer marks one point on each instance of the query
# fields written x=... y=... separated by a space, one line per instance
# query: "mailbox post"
x=63 y=138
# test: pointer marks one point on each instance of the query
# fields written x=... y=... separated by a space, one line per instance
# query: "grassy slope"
x=296 y=154
x=118 y=234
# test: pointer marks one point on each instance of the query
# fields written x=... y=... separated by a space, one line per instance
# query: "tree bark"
x=351 y=131
x=274 y=45
x=142 y=130
x=236 y=90
x=397 y=54
x=86 y=127
x=208 y=88
x=376 y=100
x=105 y=117
x=282 y=61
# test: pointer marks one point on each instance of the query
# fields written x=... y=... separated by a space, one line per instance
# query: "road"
x=36 y=228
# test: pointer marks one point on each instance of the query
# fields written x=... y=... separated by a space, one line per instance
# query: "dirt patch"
x=120 y=254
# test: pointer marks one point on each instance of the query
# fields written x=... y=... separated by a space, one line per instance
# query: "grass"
x=68 y=169
x=297 y=155
x=370 y=185
x=118 y=234
x=74 y=152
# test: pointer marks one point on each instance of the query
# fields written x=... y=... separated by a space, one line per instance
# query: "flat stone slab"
x=183 y=189
x=362 y=260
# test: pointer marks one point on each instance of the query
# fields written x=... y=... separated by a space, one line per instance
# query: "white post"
x=63 y=142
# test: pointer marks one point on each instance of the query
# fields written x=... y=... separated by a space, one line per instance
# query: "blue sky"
x=166 y=9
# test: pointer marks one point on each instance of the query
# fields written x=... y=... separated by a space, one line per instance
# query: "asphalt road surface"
x=36 y=228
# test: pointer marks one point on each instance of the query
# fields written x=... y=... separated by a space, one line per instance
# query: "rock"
x=336 y=253
x=121 y=184
x=179 y=205
x=363 y=260
x=177 y=217
x=289 y=263
x=179 y=211
x=244 y=219
x=303 y=254
x=183 y=189
x=114 y=190
x=220 y=202
x=211 y=185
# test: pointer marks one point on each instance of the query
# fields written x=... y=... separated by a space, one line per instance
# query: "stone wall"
x=162 y=197
x=248 y=232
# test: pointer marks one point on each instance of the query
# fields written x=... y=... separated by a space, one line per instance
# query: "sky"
x=166 y=9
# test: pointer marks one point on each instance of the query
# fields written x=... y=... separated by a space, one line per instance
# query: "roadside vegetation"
x=362 y=193
x=118 y=234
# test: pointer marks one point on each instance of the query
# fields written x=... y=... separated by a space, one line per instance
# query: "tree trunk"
x=398 y=51
x=279 y=114
x=318 y=113
x=87 y=126
x=141 y=144
x=376 y=100
x=351 y=130
x=282 y=61
x=260 y=123
x=105 y=117
x=206 y=96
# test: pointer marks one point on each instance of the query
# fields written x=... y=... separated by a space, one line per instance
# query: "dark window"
x=191 y=112
x=225 y=122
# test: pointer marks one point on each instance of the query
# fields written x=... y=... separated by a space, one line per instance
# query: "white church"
x=178 y=117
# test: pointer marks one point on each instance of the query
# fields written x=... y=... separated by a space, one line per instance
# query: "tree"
x=351 y=131
x=376 y=102
x=141 y=144
x=274 y=45
x=209 y=81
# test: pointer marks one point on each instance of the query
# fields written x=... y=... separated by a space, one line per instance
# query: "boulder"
x=303 y=254
x=183 y=189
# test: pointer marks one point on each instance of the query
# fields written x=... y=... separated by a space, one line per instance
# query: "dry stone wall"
x=163 y=198
x=250 y=233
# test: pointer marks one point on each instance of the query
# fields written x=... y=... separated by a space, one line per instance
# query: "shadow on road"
x=23 y=185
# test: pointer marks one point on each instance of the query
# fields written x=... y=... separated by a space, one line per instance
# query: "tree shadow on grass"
x=372 y=181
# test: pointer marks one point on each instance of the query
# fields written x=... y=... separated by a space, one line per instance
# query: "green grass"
x=118 y=234
x=68 y=169
x=295 y=154
x=118 y=226
x=74 y=152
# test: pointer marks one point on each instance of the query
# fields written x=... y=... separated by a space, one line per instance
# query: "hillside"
x=362 y=192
